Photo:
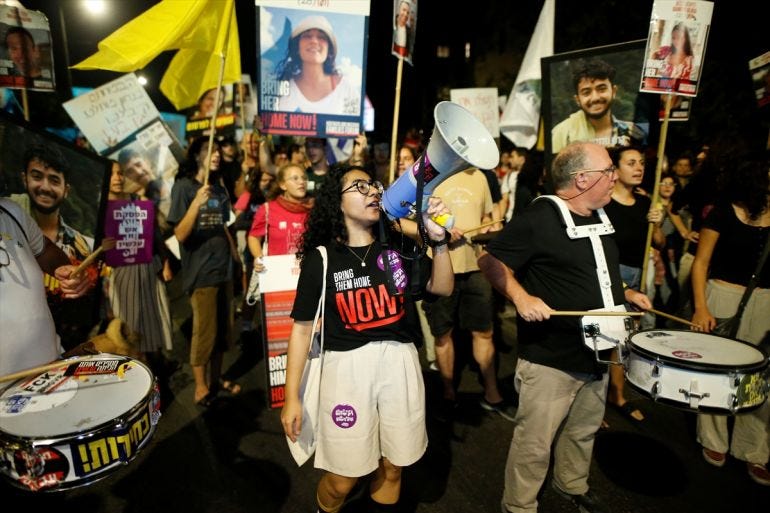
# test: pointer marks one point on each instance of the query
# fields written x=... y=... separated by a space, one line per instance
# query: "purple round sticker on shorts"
x=396 y=264
x=344 y=416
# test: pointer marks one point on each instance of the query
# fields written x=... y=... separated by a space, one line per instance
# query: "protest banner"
x=482 y=102
x=26 y=56
x=112 y=112
x=130 y=223
x=121 y=122
x=404 y=28
x=278 y=287
x=290 y=101
x=676 y=46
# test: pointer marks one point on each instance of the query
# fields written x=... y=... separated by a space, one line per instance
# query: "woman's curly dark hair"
x=325 y=223
x=291 y=66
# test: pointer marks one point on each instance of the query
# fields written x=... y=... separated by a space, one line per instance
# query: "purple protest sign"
x=130 y=223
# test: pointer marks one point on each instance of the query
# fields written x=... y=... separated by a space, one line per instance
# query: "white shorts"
x=372 y=406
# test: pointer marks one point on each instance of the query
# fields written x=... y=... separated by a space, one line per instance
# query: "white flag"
x=521 y=118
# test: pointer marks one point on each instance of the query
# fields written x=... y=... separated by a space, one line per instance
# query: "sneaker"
x=715 y=458
x=504 y=408
x=433 y=367
x=758 y=473
x=586 y=503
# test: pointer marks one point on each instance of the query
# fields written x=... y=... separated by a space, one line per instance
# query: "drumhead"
x=692 y=348
x=74 y=398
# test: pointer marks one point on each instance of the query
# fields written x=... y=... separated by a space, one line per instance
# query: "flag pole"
x=212 y=126
x=396 y=108
x=656 y=188
x=25 y=103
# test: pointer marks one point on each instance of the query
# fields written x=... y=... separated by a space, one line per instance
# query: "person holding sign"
x=136 y=291
x=372 y=395
x=315 y=84
x=678 y=56
x=199 y=209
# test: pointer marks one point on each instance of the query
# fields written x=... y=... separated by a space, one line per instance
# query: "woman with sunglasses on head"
x=370 y=365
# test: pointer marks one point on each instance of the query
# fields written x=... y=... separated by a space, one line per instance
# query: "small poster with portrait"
x=199 y=116
x=246 y=107
x=404 y=28
x=26 y=58
x=312 y=66
x=760 y=77
x=676 y=46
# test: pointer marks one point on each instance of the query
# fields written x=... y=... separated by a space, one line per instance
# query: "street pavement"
x=232 y=457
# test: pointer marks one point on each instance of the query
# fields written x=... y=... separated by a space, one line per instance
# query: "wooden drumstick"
x=42 y=368
x=107 y=243
x=605 y=313
x=673 y=318
x=490 y=223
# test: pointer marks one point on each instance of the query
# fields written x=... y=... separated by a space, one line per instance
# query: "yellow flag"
x=202 y=30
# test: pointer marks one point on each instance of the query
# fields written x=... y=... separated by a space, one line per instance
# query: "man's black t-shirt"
x=359 y=308
x=562 y=272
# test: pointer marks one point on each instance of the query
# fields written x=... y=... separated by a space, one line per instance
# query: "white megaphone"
x=459 y=141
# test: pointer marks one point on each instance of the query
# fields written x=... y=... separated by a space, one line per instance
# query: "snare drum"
x=78 y=423
x=697 y=371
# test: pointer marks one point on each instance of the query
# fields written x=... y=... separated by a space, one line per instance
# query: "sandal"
x=628 y=409
x=231 y=386
x=205 y=401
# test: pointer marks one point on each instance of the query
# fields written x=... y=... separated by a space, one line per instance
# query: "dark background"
x=496 y=33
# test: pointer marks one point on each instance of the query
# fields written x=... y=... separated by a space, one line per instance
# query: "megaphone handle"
x=445 y=220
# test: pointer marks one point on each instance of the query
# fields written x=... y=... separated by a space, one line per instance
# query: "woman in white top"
x=315 y=84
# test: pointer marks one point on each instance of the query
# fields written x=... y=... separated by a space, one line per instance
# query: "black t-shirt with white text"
x=359 y=307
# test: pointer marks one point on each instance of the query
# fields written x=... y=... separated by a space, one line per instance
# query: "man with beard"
x=595 y=91
x=44 y=177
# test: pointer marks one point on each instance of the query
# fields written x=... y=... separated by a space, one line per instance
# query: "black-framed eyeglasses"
x=5 y=258
x=607 y=171
x=365 y=186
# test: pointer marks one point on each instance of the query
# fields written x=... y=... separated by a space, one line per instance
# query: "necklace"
x=363 y=260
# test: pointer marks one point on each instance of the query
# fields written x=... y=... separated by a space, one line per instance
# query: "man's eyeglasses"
x=607 y=171
x=364 y=187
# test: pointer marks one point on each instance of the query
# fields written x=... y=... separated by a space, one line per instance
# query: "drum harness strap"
x=594 y=233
